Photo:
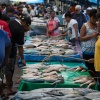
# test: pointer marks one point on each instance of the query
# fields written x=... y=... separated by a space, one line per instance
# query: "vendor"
x=52 y=25
x=72 y=29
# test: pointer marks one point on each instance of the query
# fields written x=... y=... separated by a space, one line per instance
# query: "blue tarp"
x=39 y=58
x=30 y=57
x=94 y=1
x=35 y=1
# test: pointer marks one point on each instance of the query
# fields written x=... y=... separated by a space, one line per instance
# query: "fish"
x=91 y=84
x=27 y=76
x=85 y=80
x=47 y=98
x=80 y=68
x=70 y=52
x=56 y=68
x=35 y=66
x=53 y=78
x=28 y=70
x=48 y=74
x=30 y=96
x=69 y=96
x=58 y=94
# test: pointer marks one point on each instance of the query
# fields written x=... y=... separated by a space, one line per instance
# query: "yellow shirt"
x=97 y=56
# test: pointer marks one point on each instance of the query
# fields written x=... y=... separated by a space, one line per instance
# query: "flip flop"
x=4 y=85
x=4 y=97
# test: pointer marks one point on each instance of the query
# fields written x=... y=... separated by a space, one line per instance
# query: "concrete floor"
x=16 y=78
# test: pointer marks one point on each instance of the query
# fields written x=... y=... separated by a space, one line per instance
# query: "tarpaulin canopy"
x=29 y=1
x=94 y=1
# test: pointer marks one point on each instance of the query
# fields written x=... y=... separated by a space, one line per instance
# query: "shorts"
x=1 y=78
x=9 y=69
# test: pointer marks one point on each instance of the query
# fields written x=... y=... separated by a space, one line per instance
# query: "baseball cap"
x=26 y=19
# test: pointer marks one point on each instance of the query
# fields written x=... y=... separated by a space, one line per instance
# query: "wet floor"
x=16 y=79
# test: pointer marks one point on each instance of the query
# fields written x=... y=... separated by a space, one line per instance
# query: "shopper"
x=19 y=12
x=17 y=28
x=87 y=13
x=88 y=37
x=5 y=47
x=32 y=12
x=10 y=13
x=79 y=16
x=4 y=25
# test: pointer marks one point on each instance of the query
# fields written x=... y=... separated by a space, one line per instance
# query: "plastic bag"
x=78 y=48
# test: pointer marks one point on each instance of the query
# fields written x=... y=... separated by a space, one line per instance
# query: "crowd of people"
x=81 y=27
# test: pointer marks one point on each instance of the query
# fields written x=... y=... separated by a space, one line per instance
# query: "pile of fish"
x=44 y=46
x=42 y=73
x=58 y=94
x=85 y=80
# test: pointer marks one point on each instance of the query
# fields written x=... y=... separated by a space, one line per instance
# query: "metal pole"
x=48 y=1
x=98 y=3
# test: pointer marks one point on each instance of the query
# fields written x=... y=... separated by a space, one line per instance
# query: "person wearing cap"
x=17 y=28
x=87 y=13
x=79 y=16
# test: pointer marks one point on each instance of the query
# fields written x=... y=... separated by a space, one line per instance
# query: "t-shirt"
x=80 y=19
x=17 y=32
x=33 y=13
x=4 y=26
x=4 y=42
x=72 y=33
x=97 y=56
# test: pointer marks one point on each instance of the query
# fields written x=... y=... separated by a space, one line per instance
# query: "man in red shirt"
x=4 y=25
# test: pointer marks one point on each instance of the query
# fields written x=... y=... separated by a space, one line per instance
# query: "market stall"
x=40 y=47
x=68 y=74
x=38 y=26
x=42 y=53
x=58 y=94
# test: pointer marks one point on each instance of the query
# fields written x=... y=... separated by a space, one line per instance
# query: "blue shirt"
x=4 y=42
x=87 y=17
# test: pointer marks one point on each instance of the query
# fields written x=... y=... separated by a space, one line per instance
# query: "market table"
x=68 y=79
x=38 y=27
x=32 y=57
